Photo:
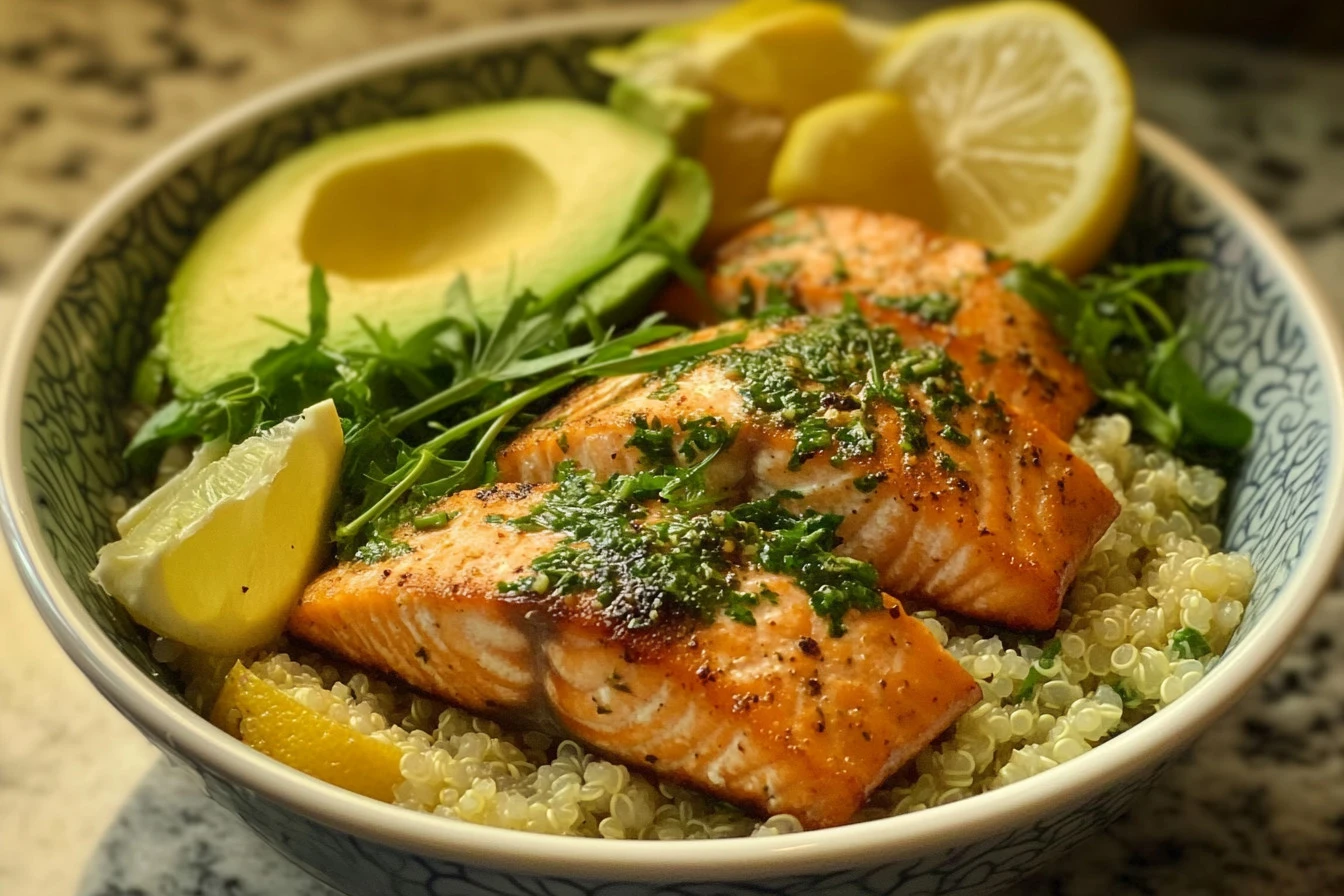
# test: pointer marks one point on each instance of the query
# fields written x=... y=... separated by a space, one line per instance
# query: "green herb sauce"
x=682 y=564
x=933 y=307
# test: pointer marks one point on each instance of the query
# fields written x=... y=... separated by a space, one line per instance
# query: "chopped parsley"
x=433 y=520
x=1049 y=654
x=780 y=269
x=380 y=548
x=1189 y=644
x=652 y=440
x=839 y=270
x=644 y=567
x=869 y=481
x=933 y=307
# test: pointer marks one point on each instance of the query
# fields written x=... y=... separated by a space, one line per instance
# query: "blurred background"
x=91 y=88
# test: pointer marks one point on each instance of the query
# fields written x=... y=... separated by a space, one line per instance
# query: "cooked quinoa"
x=1152 y=609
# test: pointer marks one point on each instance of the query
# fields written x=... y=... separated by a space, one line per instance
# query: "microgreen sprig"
x=1129 y=347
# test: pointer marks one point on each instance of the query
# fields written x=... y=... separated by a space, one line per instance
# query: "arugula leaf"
x=1129 y=347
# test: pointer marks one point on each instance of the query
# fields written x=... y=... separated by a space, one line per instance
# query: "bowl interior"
x=1253 y=336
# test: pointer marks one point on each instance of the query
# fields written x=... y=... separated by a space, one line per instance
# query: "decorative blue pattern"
x=1250 y=334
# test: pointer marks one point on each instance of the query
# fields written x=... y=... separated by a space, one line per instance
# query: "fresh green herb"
x=954 y=435
x=704 y=435
x=869 y=481
x=495 y=519
x=839 y=269
x=775 y=239
x=434 y=520
x=1035 y=675
x=653 y=440
x=1128 y=696
x=780 y=269
x=934 y=307
x=1129 y=346
x=679 y=564
x=380 y=548
x=1190 y=644
x=945 y=462
x=820 y=378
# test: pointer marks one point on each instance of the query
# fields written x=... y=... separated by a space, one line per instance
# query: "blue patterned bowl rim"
x=172 y=724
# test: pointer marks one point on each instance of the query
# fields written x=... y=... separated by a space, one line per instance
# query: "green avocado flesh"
x=518 y=195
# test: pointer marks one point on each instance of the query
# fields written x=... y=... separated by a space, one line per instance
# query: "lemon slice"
x=216 y=558
x=273 y=722
x=727 y=86
x=861 y=149
x=1027 y=112
x=788 y=60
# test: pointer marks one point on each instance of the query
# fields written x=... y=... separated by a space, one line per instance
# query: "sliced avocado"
x=679 y=112
x=682 y=213
x=515 y=195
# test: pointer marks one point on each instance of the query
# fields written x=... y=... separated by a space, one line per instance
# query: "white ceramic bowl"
x=1264 y=326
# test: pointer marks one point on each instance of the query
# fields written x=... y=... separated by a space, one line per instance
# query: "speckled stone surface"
x=88 y=88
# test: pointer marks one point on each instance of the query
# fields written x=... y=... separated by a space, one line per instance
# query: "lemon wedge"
x=727 y=86
x=273 y=722
x=786 y=61
x=1027 y=113
x=217 y=557
x=860 y=149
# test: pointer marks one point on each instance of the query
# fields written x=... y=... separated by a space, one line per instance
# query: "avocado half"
x=518 y=195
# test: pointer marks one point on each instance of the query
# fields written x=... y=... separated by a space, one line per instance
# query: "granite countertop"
x=88 y=88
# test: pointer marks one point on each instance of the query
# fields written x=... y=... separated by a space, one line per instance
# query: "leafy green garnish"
x=1129 y=347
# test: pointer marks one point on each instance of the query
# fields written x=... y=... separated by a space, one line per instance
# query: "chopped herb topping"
x=934 y=307
x=775 y=239
x=954 y=435
x=704 y=435
x=945 y=462
x=1190 y=644
x=822 y=376
x=993 y=408
x=780 y=269
x=380 y=548
x=653 y=440
x=434 y=520
x=647 y=557
x=870 y=481
x=840 y=270
x=1035 y=675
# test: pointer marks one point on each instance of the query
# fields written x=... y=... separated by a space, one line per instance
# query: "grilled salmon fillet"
x=781 y=716
x=961 y=503
x=930 y=287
